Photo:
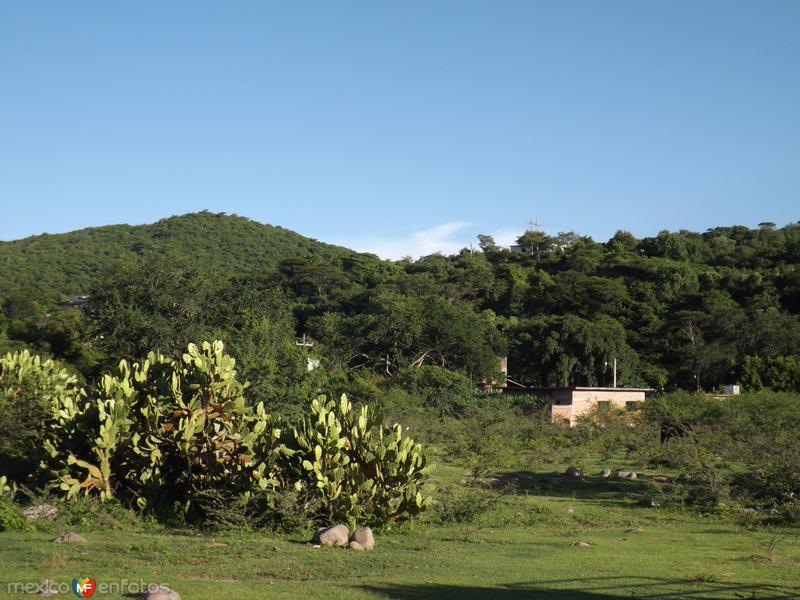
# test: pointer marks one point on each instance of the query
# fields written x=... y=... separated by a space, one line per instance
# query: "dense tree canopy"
x=677 y=310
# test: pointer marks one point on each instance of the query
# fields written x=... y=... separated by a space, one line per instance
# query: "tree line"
x=679 y=310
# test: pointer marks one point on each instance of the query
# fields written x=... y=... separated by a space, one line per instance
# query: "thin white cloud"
x=506 y=237
x=447 y=238
x=418 y=243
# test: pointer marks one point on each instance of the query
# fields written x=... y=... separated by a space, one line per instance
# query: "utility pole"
x=614 y=368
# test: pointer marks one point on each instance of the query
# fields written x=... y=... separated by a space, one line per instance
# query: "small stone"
x=159 y=592
x=70 y=538
x=363 y=537
x=634 y=530
x=463 y=481
x=650 y=503
x=660 y=479
x=582 y=544
x=356 y=546
x=626 y=474
x=569 y=509
x=40 y=511
x=574 y=473
x=337 y=535
x=605 y=473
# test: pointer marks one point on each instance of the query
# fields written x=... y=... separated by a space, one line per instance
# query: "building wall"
x=584 y=401
x=562 y=414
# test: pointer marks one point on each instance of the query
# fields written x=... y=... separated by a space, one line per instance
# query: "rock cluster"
x=40 y=511
x=338 y=535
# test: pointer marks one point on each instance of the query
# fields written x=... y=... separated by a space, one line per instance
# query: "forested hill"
x=676 y=310
x=72 y=263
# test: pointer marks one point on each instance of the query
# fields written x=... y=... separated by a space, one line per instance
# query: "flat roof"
x=611 y=389
x=587 y=389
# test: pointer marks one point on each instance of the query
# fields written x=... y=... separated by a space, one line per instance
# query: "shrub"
x=179 y=439
x=10 y=516
x=30 y=389
x=355 y=468
x=161 y=433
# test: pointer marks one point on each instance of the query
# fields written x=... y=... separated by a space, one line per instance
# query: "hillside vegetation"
x=678 y=310
x=73 y=263
x=145 y=441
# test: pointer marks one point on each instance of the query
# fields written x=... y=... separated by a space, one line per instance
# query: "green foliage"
x=10 y=516
x=31 y=389
x=179 y=439
x=7 y=488
x=74 y=262
x=679 y=310
x=162 y=432
x=356 y=468
x=779 y=373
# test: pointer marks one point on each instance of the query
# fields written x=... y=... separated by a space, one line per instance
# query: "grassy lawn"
x=522 y=548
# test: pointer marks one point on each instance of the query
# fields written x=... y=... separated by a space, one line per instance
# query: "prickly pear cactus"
x=163 y=431
x=33 y=390
x=355 y=467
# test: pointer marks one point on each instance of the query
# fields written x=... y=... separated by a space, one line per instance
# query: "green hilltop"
x=72 y=263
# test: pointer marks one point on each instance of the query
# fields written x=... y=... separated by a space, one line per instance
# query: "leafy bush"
x=355 y=468
x=30 y=389
x=162 y=432
x=178 y=439
x=10 y=516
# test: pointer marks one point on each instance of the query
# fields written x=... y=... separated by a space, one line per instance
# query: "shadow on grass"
x=595 y=488
x=592 y=588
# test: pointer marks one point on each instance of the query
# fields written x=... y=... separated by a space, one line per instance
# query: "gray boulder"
x=364 y=538
x=626 y=474
x=159 y=592
x=70 y=538
x=338 y=535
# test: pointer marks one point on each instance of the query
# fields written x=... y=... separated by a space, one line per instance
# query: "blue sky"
x=401 y=127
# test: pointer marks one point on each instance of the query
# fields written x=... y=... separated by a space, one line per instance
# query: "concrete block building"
x=570 y=403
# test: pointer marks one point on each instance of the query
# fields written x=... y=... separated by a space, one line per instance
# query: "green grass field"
x=522 y=547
